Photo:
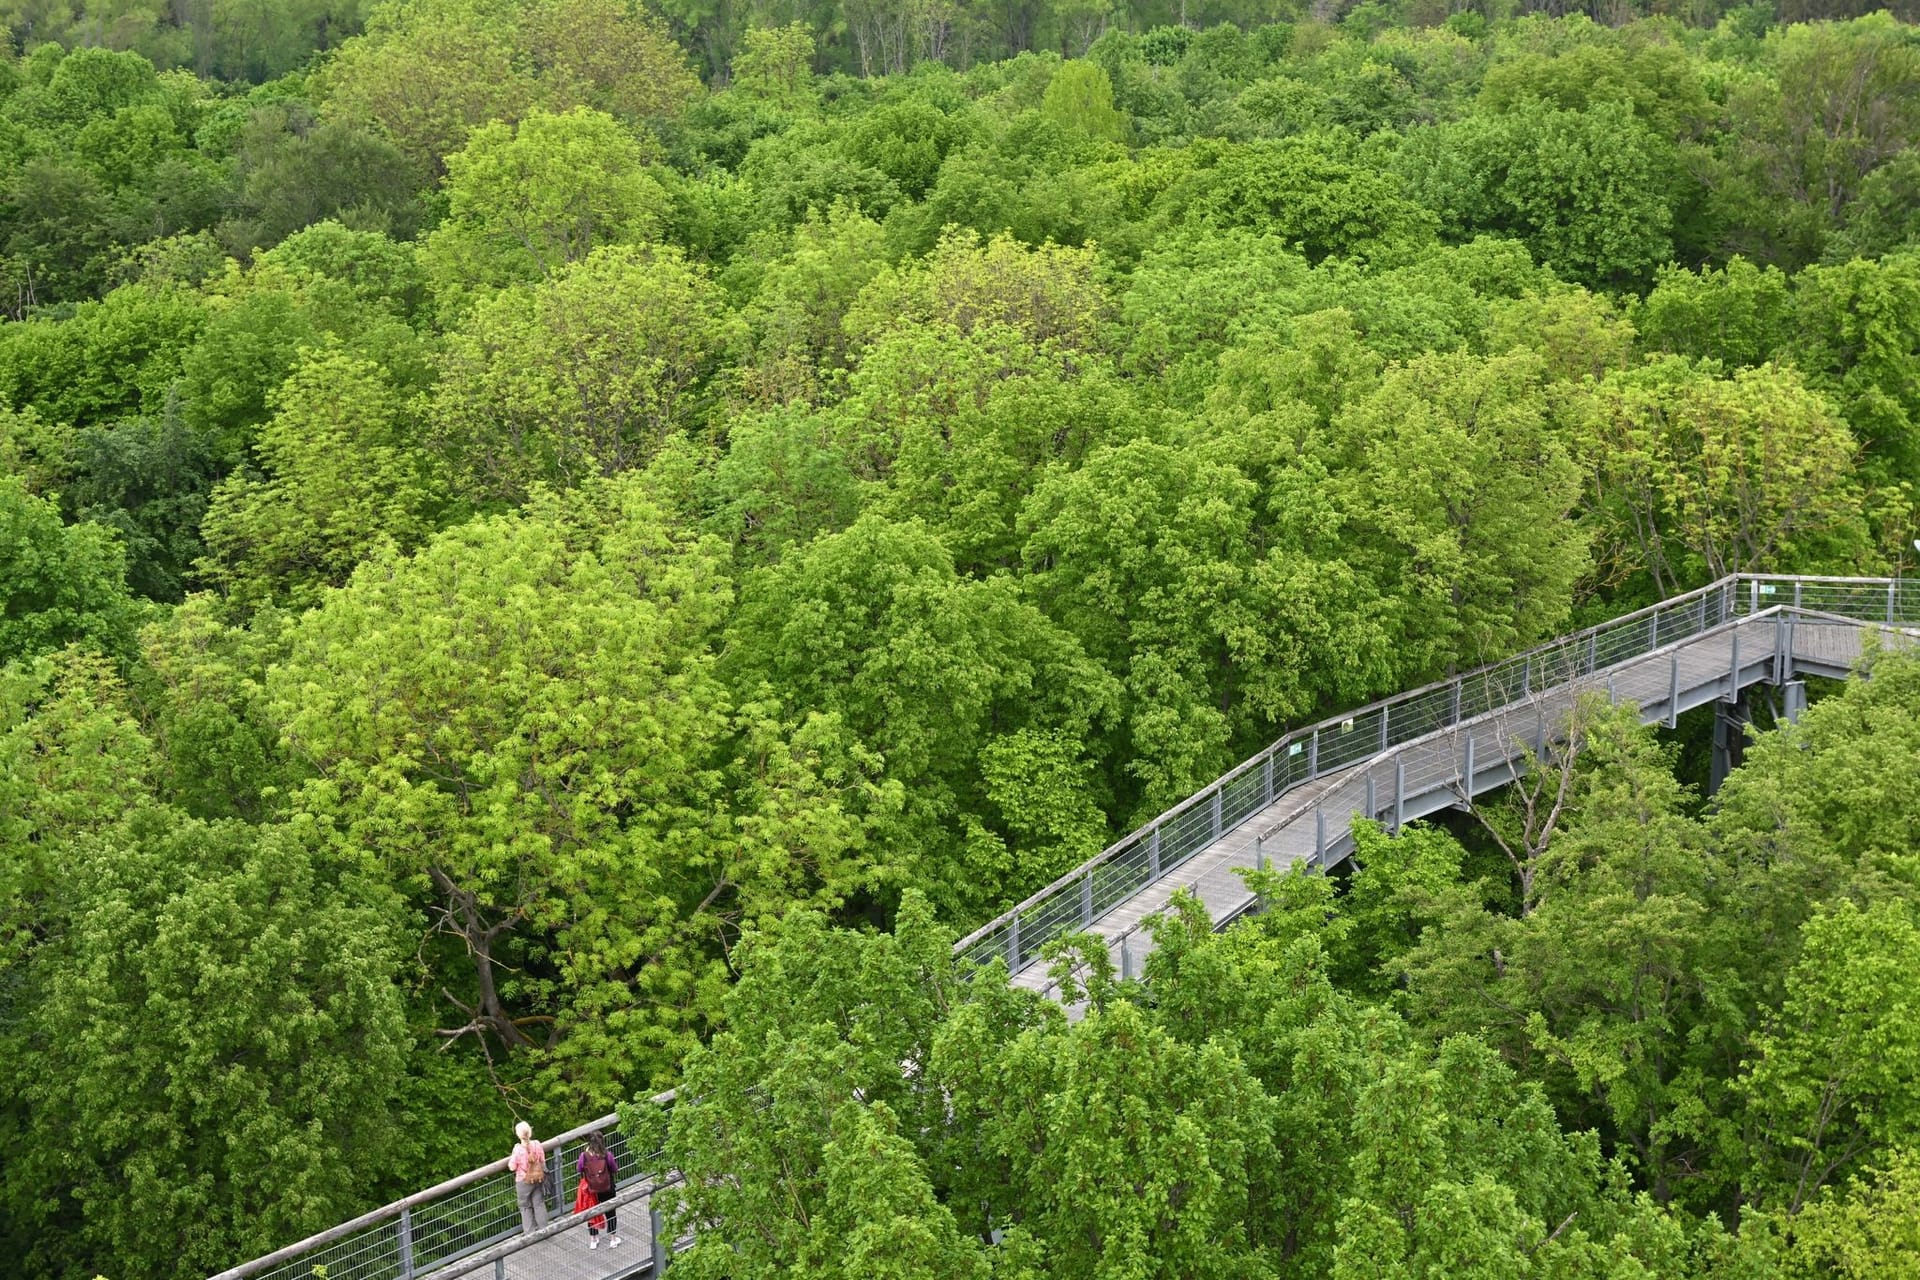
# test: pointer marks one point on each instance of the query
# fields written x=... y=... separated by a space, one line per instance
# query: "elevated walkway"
x=1392 y=761
x=1439 y=746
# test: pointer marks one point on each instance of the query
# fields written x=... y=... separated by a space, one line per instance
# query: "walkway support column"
x=1729 y=741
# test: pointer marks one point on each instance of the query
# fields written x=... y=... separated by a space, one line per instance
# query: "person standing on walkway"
x=529 y=1165
x=598 y=1169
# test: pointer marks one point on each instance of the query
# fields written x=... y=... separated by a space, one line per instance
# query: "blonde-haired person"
x=529 y=1166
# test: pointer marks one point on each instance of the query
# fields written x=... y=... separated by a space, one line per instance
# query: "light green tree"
x=584 y=374
x=521 y=726
x=1080 y=96
x=59 y=583
x=1828 y=1085
x=1455 y=493
x=342 y=476
x=428 y=74
x=1693 y=476
x=525 y=201
x=776 y=63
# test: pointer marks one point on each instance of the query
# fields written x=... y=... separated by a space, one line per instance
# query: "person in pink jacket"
x=529 y=1165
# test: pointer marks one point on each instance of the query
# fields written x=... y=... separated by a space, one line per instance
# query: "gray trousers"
x=533 y=1204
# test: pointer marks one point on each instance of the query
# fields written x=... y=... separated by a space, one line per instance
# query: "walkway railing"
x=452 y=1220
x=475 y=1212
x=1142 y=857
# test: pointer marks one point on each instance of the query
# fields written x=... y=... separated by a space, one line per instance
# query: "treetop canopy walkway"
x=1392 y=761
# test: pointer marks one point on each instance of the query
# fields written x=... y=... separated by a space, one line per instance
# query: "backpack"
x=599 y=1181
x=533 y=1165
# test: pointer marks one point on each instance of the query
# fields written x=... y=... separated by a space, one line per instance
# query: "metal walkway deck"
x=1394 y=761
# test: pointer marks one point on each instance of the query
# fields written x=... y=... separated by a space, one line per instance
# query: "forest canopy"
x=552 y=548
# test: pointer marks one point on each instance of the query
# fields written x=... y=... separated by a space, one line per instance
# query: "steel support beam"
x=1729 y=741
x=1795 y=694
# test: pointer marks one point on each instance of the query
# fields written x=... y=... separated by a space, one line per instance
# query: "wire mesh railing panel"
x=1241 y=796
x=372 y=1254
x=1418 y=716
x=1350 y=741
x=1118 y=880
x=470 y=1218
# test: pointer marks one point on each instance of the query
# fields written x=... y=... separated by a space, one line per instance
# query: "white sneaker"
x=612 y=1241
x=593 y=1242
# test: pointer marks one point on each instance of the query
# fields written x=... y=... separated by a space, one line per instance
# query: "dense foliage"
x=516 y=515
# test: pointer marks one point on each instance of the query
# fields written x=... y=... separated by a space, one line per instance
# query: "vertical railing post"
x=1013 y=943
x=1796 y=592
x=1153 y=851
x=1383 y=726
x=1456 y=702
x=1319 y=835
x=1673 y=693
x=1526 y=677
x=1733 y=680
x=1892 y=585
x=1653 y=628
x=1266 y=779
x=1313 y=756
x=1213 y=812
x=1373 y=808
x=499 y=1269
x=1260 y=852
x=1126 y=956
x=1466 y=776
x=1086 y=900
x=1593 y=652
x=1399 y=795
x=405 y=1227
x=662 y=1247
x=1753 y=595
